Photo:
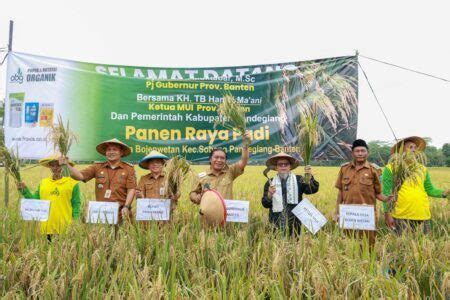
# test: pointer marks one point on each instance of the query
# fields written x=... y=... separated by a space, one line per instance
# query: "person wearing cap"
x=283 y=192
x=63 y=194
x=358 y=182
x=152 y=185
x=115 y=180
x=220 y=176
x=412 y=208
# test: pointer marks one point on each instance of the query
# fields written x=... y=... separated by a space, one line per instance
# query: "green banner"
x=173 y=110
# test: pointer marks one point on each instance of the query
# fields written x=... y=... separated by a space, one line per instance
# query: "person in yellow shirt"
x=63 y=194
x=412 y=208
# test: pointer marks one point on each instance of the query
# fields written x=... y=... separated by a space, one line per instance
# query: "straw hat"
x=272 y=161
x=420 y=143
x=143 y=163
x=213 y=210
x=45 y=162
x=101 y=148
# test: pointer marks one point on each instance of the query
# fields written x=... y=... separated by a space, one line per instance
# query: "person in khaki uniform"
x=115 y=180
x=220 y=175
x=358 y=182
x=152 y=185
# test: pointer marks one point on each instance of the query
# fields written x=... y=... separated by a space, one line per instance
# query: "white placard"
x=309 y=215
x=153 y=209
x=354 y=216
x=34 y=209
x=103 y=212
x=237 y=211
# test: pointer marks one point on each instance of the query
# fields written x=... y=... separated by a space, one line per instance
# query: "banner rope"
x=407 y=69
x=379 y=104
x=3 y=60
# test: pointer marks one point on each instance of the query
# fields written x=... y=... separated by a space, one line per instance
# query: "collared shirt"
x=223 y=182
x=154 y=188
x=358 y=184
x=119 y=180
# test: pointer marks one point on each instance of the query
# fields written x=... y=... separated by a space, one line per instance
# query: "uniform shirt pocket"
x=100 y=182
x=365 y=180
x=148 y=189
x=225 y=181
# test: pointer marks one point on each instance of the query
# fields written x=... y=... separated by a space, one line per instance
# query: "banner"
x=173 y=110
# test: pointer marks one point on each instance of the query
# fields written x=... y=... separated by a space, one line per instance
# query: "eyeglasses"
x=283 y=164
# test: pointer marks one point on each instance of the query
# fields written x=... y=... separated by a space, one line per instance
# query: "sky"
x=194 y=33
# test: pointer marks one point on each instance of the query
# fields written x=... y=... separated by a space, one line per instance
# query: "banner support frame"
x=6 y=180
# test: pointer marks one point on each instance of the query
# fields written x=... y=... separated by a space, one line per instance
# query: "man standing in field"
x=358 y=183
x=115 y=180
x=152 y=185
x=285 y=191
x=412 y=208
x=220 y=175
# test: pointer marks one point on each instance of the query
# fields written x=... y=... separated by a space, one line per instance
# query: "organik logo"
x=55 y=192
x=17 y=78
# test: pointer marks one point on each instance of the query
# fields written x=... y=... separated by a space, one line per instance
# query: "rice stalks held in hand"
x=231 y=115
x=308 y=137
x=11 y=162
x=177 y=169
x=405 y=166
x=62 y=139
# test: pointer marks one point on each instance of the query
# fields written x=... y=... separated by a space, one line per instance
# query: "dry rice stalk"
x=62 y=139
x=231 y=115
x=308 y=136
x=11 y=161
x=176 y=170
x=405 y=166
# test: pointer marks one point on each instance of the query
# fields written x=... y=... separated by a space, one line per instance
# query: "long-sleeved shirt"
x=412 y=201
x=280 y=218
x=65 y=202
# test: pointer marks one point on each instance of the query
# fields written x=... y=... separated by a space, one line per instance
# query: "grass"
x=182 y=260
x=11 y=160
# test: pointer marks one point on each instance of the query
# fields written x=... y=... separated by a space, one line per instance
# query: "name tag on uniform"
x=107 y=194
x=161 y=191
x=201 y=175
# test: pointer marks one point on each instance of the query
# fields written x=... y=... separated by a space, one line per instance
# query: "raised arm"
x=74 y=173
x=245 y=152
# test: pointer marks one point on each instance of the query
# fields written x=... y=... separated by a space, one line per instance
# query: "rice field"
x=183 y=260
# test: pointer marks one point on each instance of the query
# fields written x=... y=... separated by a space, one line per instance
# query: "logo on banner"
x=17 y=78
x=42 y=74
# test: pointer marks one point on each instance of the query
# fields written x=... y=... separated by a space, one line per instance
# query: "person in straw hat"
x=115 y=180
x=412 y=208
x=283 y=192
x=220 y=176
x=152 y=185
x=63 y=194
